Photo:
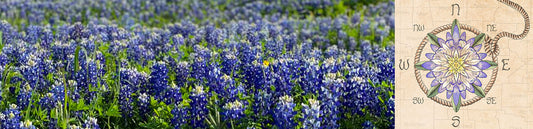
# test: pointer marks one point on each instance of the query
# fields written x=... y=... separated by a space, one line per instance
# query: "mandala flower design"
x=456 y=65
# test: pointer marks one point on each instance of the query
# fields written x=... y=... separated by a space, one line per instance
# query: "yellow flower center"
x=456 y=65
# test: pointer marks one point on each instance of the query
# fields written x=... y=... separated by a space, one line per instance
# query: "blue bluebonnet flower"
x=284 y=115
x=158 y=80
x=229 y=62
x=10 y=119
x=181 y=116
x=73 y=127
x=172 y=94
x=182 y=73
x=233 y=110
x=47 y=102
x=198 y=107
x=386 y=65
x=254 y=74
x=285 y=70
x=1 y=92
x=330 y=65
x=92 y=77
x=201 y=60
x=27 y=125
x=311 y=114
x=216 y=79
x=178 y=40
x=74 y=92
x=52 y=124
x=144 y=104
x=310 y=76
x=263 y=98
x=329 y=97
x=30 y=70
x=58 y=93
x=90 y=123
x=228 y=88
x=33 y=33
x=23 y=99
x=368 y=125
x=367 y=97
x=390 y=111
x=81 y=76
x=127 y=84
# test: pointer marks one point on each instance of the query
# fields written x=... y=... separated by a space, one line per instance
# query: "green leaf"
x=455 y=23
x=478 y=91
x=419 y=65
x=1 y=43
x=456 y=106
x=76 y=57
x=433 y=39
x=492 y=64
x=113 y=111
x=479 y=39
x=433 y=91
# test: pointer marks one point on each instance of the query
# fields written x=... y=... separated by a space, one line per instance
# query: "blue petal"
x=482 y=56
x=448 y=94
x=456 y=95
x=448 y=36
x=482 y=75
x=477 y=47
x=463 y=94
x=434 y=48
x=483 y=65
x=441 y=41
x=455 y=34
x=471 y=41
x=430 y=75
x=435 y=82
x=471 y=90
x=477 y=82
x=442 y=88
x=463 y=36
x=429 y=65
x=430 y=55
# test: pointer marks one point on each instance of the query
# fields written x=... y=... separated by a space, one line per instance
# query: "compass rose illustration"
x=459 y=62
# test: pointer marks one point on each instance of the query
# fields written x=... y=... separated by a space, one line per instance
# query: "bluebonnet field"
x=196 y=64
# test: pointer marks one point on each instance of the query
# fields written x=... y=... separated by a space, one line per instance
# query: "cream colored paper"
x=513 y=89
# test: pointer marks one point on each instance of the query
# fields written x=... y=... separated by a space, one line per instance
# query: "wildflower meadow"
x=219 y=64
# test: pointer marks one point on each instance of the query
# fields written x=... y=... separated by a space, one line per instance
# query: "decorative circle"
x=488 y=44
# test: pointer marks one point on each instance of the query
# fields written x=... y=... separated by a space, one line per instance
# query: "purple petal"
x=430 y=55
x=483 y=65
x=448 y=36
x=429 y=65
x=482 y=75
x=477 y=47
x=470 y=88
x=434 y=48
x=456 y=95
x=482 y=56
x=441 y=41
x=455 y=34
x=435 y=82
x=470 y=42
x=477 y=82
x=463 y=36
x=463 y=94
x=430 y=75
x=448 y=94
x=442 y=88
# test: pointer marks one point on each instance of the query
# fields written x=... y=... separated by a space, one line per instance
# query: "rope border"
x=424 y=87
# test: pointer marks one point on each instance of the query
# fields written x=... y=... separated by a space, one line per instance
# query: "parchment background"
x=513 y=89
